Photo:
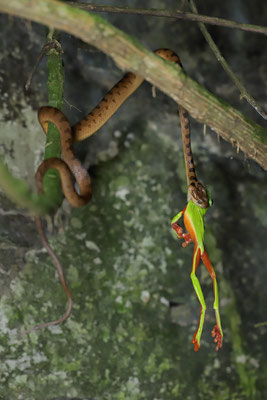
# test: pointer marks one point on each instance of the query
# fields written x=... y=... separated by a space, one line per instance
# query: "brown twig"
x=36 y=65
x=61 y=276
x=176 y=14
x=244 y=93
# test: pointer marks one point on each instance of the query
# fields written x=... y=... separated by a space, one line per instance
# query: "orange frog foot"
x=187 y=239
x=195 y=342
x=178 y=229
x=216 y=334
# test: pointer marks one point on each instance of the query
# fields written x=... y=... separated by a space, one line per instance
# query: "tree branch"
x=176 y=14
x=228 y=122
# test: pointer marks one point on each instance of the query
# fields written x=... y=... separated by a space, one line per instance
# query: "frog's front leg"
x=179 y=230
x=198 y=290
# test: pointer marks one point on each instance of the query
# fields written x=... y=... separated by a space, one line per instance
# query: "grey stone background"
x=123 y=264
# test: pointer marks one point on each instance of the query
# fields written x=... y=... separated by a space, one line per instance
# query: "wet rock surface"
x=135 y=310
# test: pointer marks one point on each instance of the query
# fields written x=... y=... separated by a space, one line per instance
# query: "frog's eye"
x=209 y=199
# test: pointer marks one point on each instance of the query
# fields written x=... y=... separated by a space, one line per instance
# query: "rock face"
x=135 y=311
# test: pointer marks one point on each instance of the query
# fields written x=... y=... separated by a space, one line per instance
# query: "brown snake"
x=69 y=164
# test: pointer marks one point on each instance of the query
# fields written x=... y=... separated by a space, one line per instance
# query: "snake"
x=69 y=165
x=110 y=103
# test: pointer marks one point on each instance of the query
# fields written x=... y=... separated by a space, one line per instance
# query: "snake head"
x=199 y=195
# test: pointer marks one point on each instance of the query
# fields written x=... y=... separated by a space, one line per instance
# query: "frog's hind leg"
x=217 y=332
x=198 y=290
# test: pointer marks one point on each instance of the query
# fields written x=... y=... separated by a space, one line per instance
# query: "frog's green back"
x=196 y=214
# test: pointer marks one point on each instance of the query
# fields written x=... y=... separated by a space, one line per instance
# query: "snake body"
x=94 y=121
x=69 y=165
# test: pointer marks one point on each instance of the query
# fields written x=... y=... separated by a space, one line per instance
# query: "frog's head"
x=199 y=195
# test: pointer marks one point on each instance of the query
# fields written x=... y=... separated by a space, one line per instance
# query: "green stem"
x=55 y=81
x=19 y=192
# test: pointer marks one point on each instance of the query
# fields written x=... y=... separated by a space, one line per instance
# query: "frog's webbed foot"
x=178 y=229
x=196 y=342
x=217 y=335
x=180 y=233
x=187 y=239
